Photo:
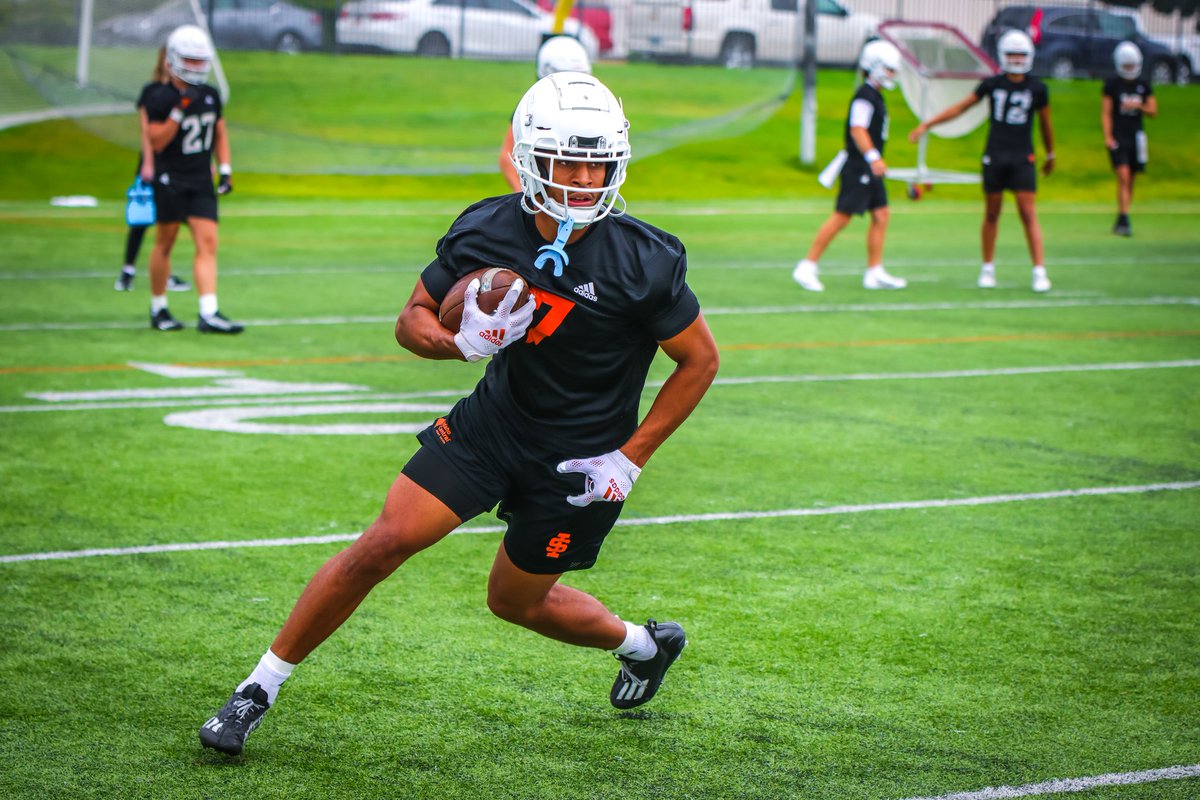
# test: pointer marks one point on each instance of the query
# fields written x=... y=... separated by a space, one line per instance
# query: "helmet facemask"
x=566 y=119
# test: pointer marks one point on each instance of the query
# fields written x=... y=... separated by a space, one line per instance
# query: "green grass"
x=883 y=655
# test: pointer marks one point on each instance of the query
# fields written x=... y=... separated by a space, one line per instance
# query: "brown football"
x=493 y=285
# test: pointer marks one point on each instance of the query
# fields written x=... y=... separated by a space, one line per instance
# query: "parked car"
x=1076 y=40
x=741 y=33
x=500 y=29
x=236 y=24
x=595 y=16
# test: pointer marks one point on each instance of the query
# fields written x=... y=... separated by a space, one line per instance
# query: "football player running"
x=186 y=130
x=1126 y=99
x=550 y=433
x=1008 y=159
x=862 y=177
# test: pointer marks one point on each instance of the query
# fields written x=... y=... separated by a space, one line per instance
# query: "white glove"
x=609 y=477
x=481 y=334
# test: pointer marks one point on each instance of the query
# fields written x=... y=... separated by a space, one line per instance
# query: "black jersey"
x=188 y=157
x=578 y=375
x=1013 y=104
x=1126 y=124
x=877 y=125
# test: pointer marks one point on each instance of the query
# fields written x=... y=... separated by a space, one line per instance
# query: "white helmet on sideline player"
x=189 y=43
x=1127 y=57
x=881 y=61
x=562 y=54
x=570 y=116
x=1015 y=49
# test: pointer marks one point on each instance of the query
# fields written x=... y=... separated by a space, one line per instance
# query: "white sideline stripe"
x=727 y=516
x=747 y=381
x=717 y=311
x=1062 y=785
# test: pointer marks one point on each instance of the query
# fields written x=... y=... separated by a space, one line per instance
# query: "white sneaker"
x=878 y=278
x=805 y=274
x=987 y=279
x=1041 y=282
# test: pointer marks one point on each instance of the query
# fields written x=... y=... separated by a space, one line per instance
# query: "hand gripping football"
x=493 y=285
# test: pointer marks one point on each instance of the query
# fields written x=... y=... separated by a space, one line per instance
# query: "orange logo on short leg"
x=558 y=545
x=442 y=429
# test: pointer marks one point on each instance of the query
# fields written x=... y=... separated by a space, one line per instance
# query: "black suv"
x=1077 y=40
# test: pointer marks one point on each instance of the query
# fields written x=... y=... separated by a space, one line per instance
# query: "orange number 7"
x=559 y=308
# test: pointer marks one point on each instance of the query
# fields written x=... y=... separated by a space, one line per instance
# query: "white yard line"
x=1063 y=785
x=193 y=400
x=726 y=516
x=390 y=319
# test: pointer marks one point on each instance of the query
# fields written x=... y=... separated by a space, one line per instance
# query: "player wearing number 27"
x=1009 y=160
x=186 y=130
x=551 y=431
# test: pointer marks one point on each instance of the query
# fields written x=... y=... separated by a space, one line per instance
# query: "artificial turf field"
x=923 y=542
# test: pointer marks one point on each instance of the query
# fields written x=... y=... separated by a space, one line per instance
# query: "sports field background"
x=923 y=542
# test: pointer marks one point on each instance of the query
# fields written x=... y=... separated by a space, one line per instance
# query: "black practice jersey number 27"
x=198 y=133
x=1011 y=107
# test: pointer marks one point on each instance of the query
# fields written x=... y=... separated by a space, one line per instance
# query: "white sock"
x=1039 y=271
x=877 y=266
x=639 y=645
x=157 y=303
x=270 y=674
x=208 y=305
x=129 y=269
x=988 y=268
x=809 y=263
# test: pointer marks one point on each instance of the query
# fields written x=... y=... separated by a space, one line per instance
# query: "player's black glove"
x=225 y=184
x=188 y=98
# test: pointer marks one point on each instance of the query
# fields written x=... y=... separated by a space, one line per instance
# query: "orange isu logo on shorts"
x=557 y=545
x=442 y=429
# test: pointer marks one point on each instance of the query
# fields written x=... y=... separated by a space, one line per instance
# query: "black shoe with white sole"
x=638 y=681
x=175 y=284
x=124 y=282
x=218 y=323
x=228 y=729
x=163 y=321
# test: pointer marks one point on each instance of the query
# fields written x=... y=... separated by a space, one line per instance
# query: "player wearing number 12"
x=551 y=431
x=1009 y=159
x=186 y=130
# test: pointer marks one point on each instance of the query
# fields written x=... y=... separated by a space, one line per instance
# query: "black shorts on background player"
x=860 y=191
x=1014 y=175
x=573 y=386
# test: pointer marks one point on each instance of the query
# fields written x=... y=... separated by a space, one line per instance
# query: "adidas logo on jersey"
x=586 y=291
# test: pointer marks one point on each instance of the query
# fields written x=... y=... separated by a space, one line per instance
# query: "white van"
x=742 y=33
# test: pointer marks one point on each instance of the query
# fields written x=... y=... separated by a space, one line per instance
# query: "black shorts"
x=1125 y=154
x=1014 y=174
x=176 y=201
x=472 y=459
x=860 y=191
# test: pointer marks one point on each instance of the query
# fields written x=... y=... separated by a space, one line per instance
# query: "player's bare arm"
x=1047 y=130
x=862 y=140
x=161 y=133
x=419 y=331
x=1150 y=106
x=1106 y=110
x=950 y=113
x=694 y=352
x=147 y=171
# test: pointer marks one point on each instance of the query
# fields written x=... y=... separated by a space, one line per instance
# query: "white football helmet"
x=570 y=116
x=1127 y=57
x=191 y=43
x=1015 y=49
x=881 y=61
x=562 y=54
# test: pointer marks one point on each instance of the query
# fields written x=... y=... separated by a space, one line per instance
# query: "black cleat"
x=217 y=323
x=163 y=321
x=1122 y=226
x=638 y=681
x=227 y=731
x=175 y=284
x=124 y=282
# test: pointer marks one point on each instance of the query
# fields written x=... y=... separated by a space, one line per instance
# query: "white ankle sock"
x=208 y=305
x=270 y=674
x=988 y=267
x=157 y=303
x=1039 y=270
x=639 y=645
